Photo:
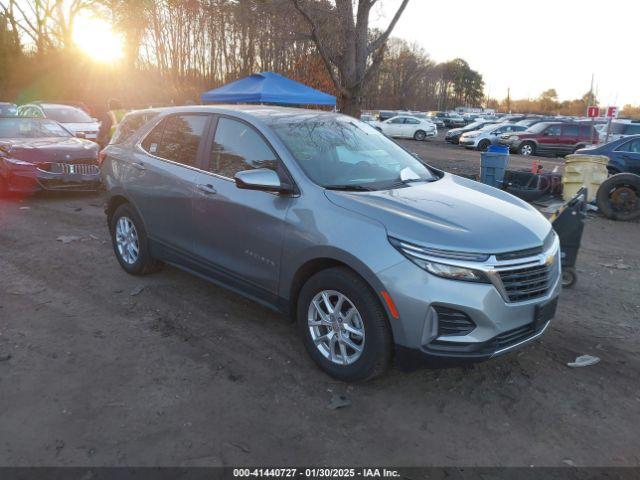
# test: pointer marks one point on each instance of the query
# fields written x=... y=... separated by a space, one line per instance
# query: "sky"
x=531 y=46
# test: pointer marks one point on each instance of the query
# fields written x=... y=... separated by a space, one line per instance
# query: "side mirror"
x=260 y=179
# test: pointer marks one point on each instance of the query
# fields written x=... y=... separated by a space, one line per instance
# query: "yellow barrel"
x=587 y=170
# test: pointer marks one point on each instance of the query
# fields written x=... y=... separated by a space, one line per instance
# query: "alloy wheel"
x=127 y=240
x=336 y=327
x=526 y=149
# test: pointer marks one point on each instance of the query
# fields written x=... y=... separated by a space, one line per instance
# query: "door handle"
x=139 y=166
x=208 y=189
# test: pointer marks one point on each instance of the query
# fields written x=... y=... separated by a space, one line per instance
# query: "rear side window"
x=177 y=138
x=570 y=130
x=633 y=146
x=585 y=131
x=237 y=147
x=129 y=125
x=553 y=131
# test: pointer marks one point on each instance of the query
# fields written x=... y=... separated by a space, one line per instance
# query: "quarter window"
x=238 y=147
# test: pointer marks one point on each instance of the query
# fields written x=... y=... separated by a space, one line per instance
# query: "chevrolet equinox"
x=320 y=216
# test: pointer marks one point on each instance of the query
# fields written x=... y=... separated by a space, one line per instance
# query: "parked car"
x=8 y=109
x=324 y=218
x=386 y=115
x=556 y=138
x=437 y=121
x=370 y=119
x=403 y=126
x=39 y=154
x=453 y=135
x=624 y=154
x=489 y=135
x=450 y=120
x=619 y=129
x=73 y=119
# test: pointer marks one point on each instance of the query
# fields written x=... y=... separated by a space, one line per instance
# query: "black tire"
x=569 y=277
x=523 y=150
x=483 y=145
x=144 y=264
x=618 y=197
x=376 y=354
x=420 y=136
x=578 y=147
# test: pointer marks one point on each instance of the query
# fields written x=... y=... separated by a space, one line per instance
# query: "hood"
x=54 y=149
x=455 y=131
x=452 y=213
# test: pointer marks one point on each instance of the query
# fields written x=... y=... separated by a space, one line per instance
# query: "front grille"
x=453 y=322
x=526 y=283
x=71 y=168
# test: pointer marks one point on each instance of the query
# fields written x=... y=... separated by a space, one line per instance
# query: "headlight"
x=422 y=257
x=471 y=135
x=17 y=163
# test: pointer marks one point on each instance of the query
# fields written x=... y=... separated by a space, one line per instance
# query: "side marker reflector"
x=390 y=304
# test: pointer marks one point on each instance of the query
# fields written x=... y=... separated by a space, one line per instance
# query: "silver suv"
x=320 y=216
x=488 y=135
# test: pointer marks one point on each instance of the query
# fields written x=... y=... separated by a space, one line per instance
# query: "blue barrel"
x=493 y=164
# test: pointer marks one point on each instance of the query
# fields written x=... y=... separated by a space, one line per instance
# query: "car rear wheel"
x=419 y=135
x=527 y=148
x=343 y=325
x=483 y=145
x=618 y=197
x=130 y=242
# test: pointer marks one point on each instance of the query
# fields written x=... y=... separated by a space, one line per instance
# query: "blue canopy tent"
x=267 y=87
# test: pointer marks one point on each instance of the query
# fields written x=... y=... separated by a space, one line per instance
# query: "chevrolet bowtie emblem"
x=549 y=261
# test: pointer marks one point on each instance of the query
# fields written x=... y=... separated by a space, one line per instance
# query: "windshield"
x=538 y=127
x=67 y=115
x=341 y=152
x=30 y=128
x=475 y=126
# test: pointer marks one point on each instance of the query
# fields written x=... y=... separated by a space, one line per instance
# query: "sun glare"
x=96 y=38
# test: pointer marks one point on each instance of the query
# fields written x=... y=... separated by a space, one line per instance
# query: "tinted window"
x=130 y=124
x=238 y=147
x=570 y=130
x=152 y=140
x=553 y=131
x=633 y=146
x=412 y=121
x=397 y=120
x=585 y=131
x=181 y=138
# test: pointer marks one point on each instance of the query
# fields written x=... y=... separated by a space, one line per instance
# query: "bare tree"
x=348 y=48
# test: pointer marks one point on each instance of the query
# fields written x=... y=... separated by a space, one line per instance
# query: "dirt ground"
x=101 y=368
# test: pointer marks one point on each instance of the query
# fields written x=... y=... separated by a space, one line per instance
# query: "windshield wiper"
x=349 y=188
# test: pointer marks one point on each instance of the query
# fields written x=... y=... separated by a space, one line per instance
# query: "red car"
x=551 y=138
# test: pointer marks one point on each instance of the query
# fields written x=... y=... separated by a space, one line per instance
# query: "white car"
x=406 y=126
x=73 y=119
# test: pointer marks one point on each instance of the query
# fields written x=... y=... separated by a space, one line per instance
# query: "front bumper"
x=452 y=139
x=469 y=142
x=33 y=180
x=500 y=325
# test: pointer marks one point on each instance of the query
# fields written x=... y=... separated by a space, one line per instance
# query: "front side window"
x=633 y=146
x=341 y=152
x=553 y=131
x=397 y=120
x=412 y=121
x=238 y=147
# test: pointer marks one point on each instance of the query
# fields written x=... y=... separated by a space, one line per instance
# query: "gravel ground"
x=101 y=368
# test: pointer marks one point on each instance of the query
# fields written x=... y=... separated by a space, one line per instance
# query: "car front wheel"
x=343 y=325
x=130 y=242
